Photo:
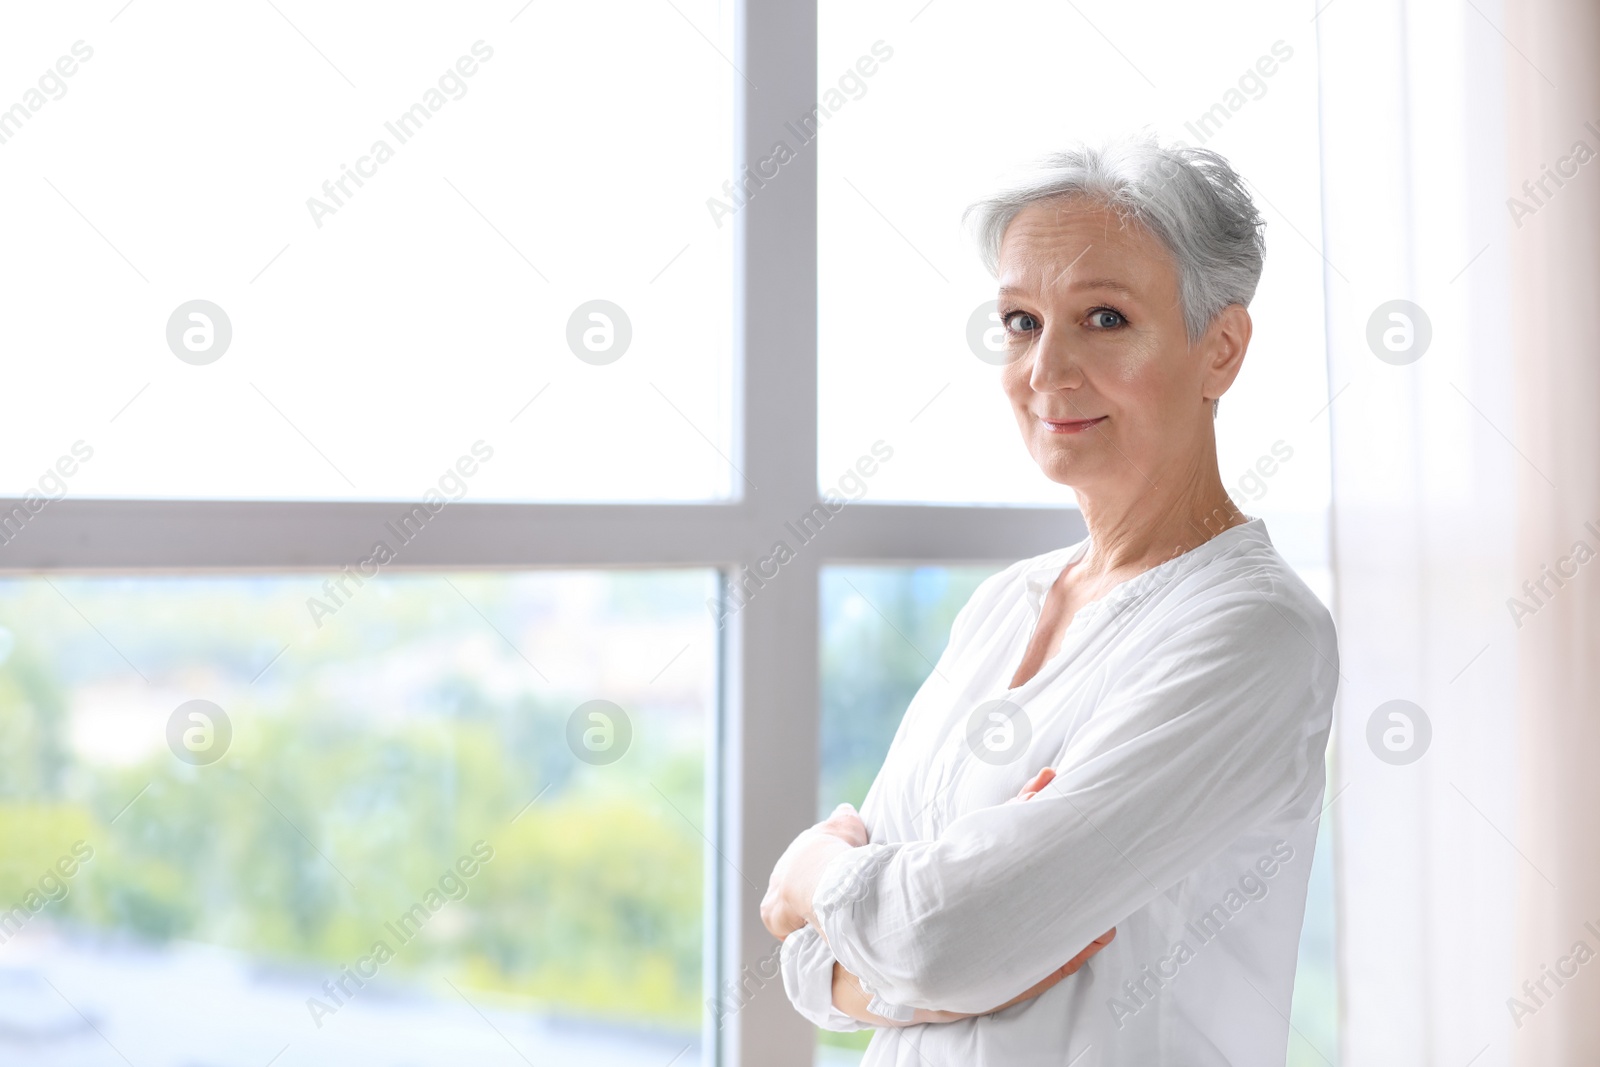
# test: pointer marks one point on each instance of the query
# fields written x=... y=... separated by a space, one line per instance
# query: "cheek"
x=1014 y=380
x=1137 y=365
x=1144 y=376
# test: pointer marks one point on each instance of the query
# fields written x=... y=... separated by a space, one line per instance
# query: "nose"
x=1055 y=363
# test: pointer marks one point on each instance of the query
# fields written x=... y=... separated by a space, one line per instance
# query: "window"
x=550 y=307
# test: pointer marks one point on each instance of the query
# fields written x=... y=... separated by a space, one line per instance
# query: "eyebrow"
x=1093 y=283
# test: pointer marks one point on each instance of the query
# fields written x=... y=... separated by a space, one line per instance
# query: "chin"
x=1062 y=466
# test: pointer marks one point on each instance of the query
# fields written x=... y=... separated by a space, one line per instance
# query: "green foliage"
x=33 y=836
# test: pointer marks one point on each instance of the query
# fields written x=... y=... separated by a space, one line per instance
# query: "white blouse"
x=1187 y=716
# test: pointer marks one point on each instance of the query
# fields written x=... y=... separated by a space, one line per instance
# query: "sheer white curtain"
x=1555 y=260
x=1426 y=459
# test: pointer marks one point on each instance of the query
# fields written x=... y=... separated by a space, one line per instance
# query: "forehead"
x=1071 y=242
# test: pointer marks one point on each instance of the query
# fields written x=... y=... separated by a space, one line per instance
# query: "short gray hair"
x=1190 y=199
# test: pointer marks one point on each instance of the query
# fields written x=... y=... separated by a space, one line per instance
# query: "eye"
x=1020 y=322
x=1106 y=318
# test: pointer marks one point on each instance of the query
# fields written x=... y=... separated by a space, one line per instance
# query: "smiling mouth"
x=1071 y=425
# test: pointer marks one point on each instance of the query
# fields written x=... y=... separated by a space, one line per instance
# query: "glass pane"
x=883 y=629
x=320 y=251
x=405 y=836
x=959 y=92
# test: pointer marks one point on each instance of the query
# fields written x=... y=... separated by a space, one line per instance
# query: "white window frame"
x=763 y=762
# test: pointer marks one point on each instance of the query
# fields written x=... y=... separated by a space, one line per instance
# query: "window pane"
x=405 y=830
x=960 y=94
x=403 y=215
x=883 y=629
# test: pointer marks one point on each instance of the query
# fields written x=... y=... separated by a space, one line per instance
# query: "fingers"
x=1089 y=950
x=1036 y=784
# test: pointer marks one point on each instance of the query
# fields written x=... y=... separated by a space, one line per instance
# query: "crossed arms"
x=788 y=906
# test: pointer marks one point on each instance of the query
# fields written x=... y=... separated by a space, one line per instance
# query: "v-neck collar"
x=1038 y=578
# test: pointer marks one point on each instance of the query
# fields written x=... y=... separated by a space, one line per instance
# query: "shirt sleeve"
x=807 y=965
x=1215 y=725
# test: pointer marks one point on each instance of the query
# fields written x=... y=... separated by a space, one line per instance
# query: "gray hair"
x=1190 y=199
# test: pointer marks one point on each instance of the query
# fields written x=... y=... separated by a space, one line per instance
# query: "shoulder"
x=1246 y=581
x=1245 y=604
x=1255 y=574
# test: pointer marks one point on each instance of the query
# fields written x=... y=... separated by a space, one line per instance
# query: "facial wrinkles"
x=1051 y=250
x=1064 y=271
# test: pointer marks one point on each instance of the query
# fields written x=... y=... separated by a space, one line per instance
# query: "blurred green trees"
x=333 y=813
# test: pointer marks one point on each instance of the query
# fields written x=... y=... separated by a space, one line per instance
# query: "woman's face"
x=1103 y=380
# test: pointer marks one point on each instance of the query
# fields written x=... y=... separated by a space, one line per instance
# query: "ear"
x=1222 y=350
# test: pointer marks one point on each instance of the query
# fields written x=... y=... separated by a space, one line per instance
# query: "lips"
x=1071 y=425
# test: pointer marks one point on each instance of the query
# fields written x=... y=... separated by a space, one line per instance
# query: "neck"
x=1142 y=521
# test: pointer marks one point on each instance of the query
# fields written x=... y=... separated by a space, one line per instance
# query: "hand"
x=845 y=824
x=787 y=904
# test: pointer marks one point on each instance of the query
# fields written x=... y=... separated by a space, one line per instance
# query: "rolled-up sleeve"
x=807 y=965
x=1214 y=726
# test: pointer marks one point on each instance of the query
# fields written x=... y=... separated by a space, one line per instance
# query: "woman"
x=1090 y=839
